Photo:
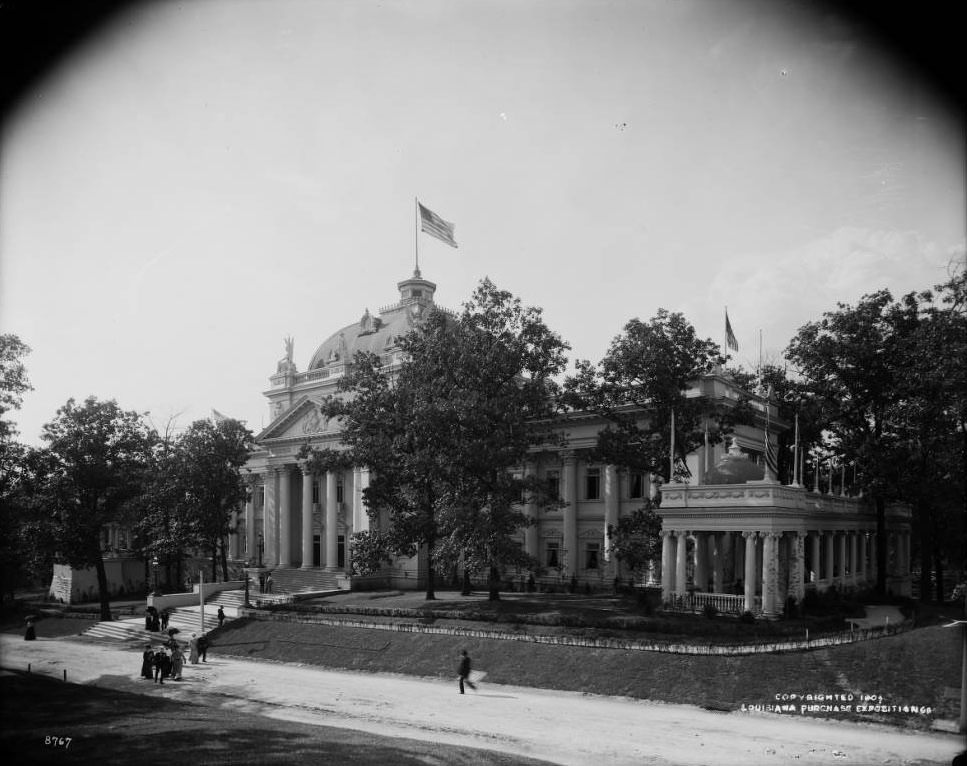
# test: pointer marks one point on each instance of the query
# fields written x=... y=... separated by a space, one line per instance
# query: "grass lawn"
x=112 y=727
x=907 y=669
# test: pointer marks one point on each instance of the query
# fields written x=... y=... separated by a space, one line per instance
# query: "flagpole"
x=725 y=334
x=416 y=232
x=795 y=455
x=671 y=457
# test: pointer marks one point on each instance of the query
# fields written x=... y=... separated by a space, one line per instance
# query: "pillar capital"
x=750 y=535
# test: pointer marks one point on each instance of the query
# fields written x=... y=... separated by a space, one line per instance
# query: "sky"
x=194 y=182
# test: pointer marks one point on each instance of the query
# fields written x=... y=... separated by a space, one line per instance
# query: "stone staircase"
x=292 y=581
x=186 y=619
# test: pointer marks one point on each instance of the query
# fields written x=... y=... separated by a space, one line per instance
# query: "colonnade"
x=288 y=528
x=765 y=567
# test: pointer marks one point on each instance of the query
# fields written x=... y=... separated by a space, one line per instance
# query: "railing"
x=724 y=603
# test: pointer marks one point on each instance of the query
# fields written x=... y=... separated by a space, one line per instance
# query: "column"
x=681 y=563
x=250 y=553
x=874 y=562
x=815 y=540
x=829 y=575
x=306 y=517
x=749 y=571
x=861 y=563
x=668 y=541
x=797 y=566
x=531 y=537
x=701 y=561
x=729 y=563
x=360 y=515
x=270 y=520
x=610 y=505
x=853 y=574
x=332 y=540
x=285 y=518
x=842 y=558
x=718 y=561
x=770 y=568
x=570 y=515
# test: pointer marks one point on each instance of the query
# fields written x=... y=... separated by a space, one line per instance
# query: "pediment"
x=300 y=421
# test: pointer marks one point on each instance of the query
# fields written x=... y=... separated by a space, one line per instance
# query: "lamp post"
x=154 y=566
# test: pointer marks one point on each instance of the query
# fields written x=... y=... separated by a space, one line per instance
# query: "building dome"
x=735 y=468
x=378 y=334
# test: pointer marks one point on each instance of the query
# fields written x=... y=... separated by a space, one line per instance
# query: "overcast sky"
x=197 y=181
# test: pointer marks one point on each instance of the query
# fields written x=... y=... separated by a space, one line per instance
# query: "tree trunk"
x=466 y=583
x=223 y=558
x=430 y=592
x=493 y=584
x=102 y=589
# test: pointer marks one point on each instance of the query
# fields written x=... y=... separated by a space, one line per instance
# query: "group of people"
x=168 y=660
x=156 y=621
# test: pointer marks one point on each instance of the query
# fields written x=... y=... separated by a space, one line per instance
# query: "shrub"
x=747 y=618
x=710 y=611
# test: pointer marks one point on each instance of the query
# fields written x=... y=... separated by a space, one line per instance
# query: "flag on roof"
x=435 y=226
x=730 y=340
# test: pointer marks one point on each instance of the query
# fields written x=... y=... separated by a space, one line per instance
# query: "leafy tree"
x=640 y=383
x=929 y=420
x=94 y=463
x=852 y=362
x=13 y=457
x=634 y=540
x=444 y=433
x=209 y=482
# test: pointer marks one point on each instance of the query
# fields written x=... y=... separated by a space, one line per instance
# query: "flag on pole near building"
x=435 y=226
x=772 y=462
x=730 y=340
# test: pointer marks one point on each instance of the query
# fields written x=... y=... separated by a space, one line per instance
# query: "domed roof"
x=378 y=334
x=735 y=468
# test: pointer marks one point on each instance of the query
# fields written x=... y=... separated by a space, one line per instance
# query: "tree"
x=95 y=462
x=444 y=434
x=640 y=388
x=852 y=362
x=634 y=540
x=13 y=461
x=210 y=484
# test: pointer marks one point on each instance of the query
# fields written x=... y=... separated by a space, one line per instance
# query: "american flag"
x=435 y=226
x=730 y=340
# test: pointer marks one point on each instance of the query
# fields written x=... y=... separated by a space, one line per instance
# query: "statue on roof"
x=286 y=364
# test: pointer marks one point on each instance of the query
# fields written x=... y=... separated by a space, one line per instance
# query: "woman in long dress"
x=177 y=661
x=193 y=649
x=147 y=662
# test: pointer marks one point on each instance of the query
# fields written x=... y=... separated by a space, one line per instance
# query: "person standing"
x=268 y=583
x=147 y=662
x=203 y=647
x=221 y=616
x=161 y=665
x=464 y=671
x=165 y=616
x=30 y=634
x=193 y=649
x=177 y=661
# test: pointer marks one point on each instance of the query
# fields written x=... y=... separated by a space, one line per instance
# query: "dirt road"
x=565 y=728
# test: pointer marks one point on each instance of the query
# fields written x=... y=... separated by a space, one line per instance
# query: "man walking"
x=464 y=672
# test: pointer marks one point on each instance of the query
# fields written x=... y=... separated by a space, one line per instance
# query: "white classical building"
x=732 y=536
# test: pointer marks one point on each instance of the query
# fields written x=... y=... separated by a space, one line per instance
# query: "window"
x=636 y=485
x=592 y=484
x=591 y=555
x=553 y=561
x=339 y=492
x=315 y=491
x=553 y=482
